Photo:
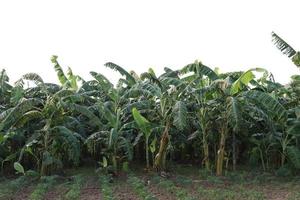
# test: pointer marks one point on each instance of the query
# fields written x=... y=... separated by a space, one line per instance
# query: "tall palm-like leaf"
x=144 y=125
x=122 y=71
x=200 y=70
x=283 y=46
x=60 y=73
x=286 y=49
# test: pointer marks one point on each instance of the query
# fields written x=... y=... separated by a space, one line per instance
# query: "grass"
x=9 y=187
x=46 y=183
x=139 y=188
x=180 y=193
x=74 y=192
x=233 y=193
x=106 y=187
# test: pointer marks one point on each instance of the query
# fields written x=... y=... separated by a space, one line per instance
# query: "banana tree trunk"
x=147 y=152
x=221 y=152
x=45 y=168
x=160 y=163
x=206 y=151
x=233 y=152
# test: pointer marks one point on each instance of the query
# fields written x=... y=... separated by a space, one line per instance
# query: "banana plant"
x=48 y=137
x=113 y=106
x=232 y=98
x=199 y=80
x=171 y=111
x=145 y=126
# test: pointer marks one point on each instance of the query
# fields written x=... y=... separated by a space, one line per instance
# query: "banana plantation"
x=189 y=133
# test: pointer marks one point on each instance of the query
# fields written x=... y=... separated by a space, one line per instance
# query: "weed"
x=179 y=192
x=228 y=193
x=8 y=189
x=106 y=187
x=139 y=188
x=74 y=192
x=45 y=184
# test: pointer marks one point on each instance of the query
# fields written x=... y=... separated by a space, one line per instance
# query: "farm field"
x=183 y=183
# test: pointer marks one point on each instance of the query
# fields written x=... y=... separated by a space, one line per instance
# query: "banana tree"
x=171 y=111
x=47 y=139
x=233 y=97
x=114 y=106
x=199 y=78
x=145 y=126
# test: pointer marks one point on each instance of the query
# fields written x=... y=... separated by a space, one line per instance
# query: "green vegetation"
x=140 y=188
x=46 y=184
x=220 y=122
x=9 y=187
x=180 y=193
x=74 y=192
x=106 y=187
x=232 y=193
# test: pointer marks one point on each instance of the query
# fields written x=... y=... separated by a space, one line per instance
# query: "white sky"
x=231 y=35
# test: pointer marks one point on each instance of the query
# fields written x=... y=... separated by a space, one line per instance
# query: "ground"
x=186 y=182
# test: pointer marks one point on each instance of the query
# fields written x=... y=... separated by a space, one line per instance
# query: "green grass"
x=233 y=193
x=168 y=185
x=9 y=187
x=74 y=192
x=139 y=188
x=106 y=187
x=46 y=183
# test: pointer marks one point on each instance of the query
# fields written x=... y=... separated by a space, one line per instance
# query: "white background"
x=231 y=35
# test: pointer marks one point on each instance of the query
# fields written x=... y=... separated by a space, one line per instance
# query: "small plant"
x=182 y=180
x=205 y=173
x=228 y=193
x=7 y=190
x=179 y=192
x=139 y=188
x=106 y=187
x=46 y=183
x=283 y=171
x=74 y=192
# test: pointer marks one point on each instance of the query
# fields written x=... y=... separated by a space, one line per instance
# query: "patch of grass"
x=294 y=196
x=183 y=180
x=74 y=192
x=9 y=187
x=106 y=187
x=139 y=188
x=233 y=193
x=170 y=186
x=45 y=184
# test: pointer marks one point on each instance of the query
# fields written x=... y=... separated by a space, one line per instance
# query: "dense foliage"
x=193 y=114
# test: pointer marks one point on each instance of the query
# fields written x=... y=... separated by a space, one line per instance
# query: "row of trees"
x=194 y=114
